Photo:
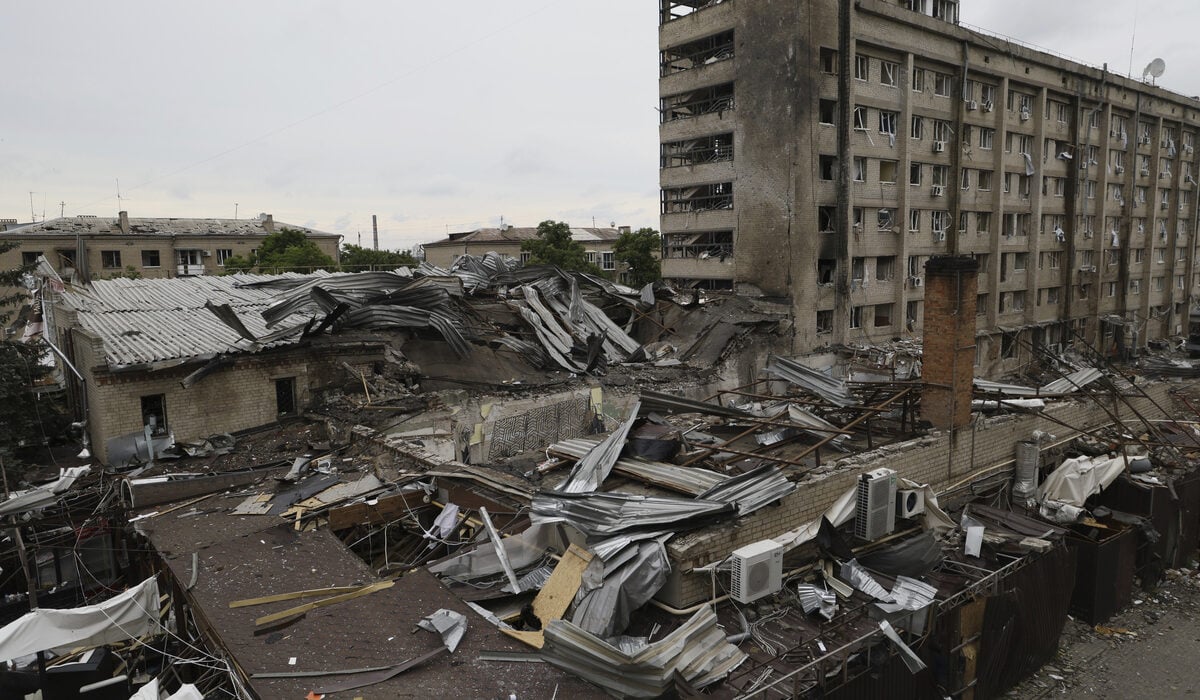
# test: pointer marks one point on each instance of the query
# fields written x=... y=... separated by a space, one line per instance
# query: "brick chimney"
x=123 y=219
x=948 y=365
x=269 y=223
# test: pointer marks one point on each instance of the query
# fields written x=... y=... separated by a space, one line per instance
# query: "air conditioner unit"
x=987 y=105
x=910 y=503
x=757 y=571
x=875 y=510
x=1024 y=115
x=939 y=236
x=1145 y=172
x=1163 y=206
x=938 y=190
x=1120 y=169
x=972 y=105
x=915 y=281
x=206 y=253
x=939 y=146
x=1188 y=150
x=1145 y=140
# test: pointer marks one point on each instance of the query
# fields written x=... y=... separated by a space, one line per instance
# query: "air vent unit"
x=875 y=512
x=910 y=503
x=757 y=571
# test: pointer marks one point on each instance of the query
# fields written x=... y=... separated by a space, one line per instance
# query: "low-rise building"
x=507 y=240
x=145 y=247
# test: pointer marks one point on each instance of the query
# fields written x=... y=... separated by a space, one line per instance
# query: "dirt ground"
x=1146 y=651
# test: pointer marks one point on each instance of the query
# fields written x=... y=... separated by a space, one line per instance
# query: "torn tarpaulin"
x=129 y=615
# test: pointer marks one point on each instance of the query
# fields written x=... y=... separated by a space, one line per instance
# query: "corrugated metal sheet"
x=697 y=650
x=832 y=390
x=613 y=513
x=752 y=490
x=690 y=480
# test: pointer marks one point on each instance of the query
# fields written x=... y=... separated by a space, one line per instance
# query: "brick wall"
x=985 y=446
x=949 y=346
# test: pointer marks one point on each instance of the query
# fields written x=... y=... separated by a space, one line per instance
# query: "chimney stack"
x=123 y=218
x=269 y=223
x=375 y=230
x=948 y=365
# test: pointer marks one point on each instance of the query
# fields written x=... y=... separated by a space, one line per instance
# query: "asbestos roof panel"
x=524 y=233
x=150 y=321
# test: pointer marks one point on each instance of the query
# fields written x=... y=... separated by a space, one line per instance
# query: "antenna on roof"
x=32 y=213
x=62 y=208
x=1155 y=70
x=235 y=208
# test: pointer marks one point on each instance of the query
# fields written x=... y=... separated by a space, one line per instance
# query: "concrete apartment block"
x=802 y=162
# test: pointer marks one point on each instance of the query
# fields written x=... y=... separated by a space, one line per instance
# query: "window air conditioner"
x=875 y=509
x=757 y=571
x=938 y=190
x=1145 y=140
x=1119 y=169
x=910 y=503
x=972 y=105
x=1145 y=172
x=915 y=281
x=939 y=146
x=1024 y=115
x=987 y=105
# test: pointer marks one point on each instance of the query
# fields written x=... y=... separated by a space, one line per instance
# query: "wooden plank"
x=278 y=597
x=556 y=596
x=385 y=510
x=301 y=609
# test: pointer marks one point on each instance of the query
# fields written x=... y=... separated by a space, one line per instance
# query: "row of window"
x=113 y=260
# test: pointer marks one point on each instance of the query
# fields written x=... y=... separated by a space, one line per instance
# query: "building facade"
x=598 y=242
x=824 y=151
x=149 y=247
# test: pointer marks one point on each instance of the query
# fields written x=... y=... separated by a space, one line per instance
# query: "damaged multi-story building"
x=824 y=151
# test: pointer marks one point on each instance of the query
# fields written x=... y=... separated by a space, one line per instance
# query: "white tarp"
x=130 y=615
x=1078 y=478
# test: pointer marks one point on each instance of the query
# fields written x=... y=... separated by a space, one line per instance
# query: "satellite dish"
x=1155 y=69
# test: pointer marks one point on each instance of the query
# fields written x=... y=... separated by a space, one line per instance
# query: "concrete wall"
x=938 y=460
x=234 y=398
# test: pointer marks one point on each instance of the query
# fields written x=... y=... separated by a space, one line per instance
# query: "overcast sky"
x=434 y=116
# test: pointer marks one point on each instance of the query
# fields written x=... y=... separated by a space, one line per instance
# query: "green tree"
x=554 y=246
x=237 y=263
x=355 y=257
x=287 y=250
x=20 y=367
x=637 y=250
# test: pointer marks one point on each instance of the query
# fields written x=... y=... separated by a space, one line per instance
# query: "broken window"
x=862 y=68
x=885 y=267
x=981 y=304
x=150 y=258
x=966 y=178
x=914 y=266
x=940 y=175
x=66 y=258
x=914 y=220
x=942 y=84
x=856 y=314
x=698 y=102
x=914 y=174
x=697 y=198
x=223 y=254
x=918 y=80
x=912 y=314
x=946 y=10
x=887 y=122
x=887 y=171
x=888 y=72
x=858 y=269
x=699 y=244
x=706 y=149
x=824 y=322
x=860 y=169
x=110 y=259
x=826 y=268
x=883 y=315
x=694 y=54
x=30 y=257
x=916 y=129
x=828 y=112
x=985 y=180
x=285 y=396
x=826 y=219
x=986 y=137
x=941 y=131
x=827 y=167
x=608 y=261
x=883 y=219
x=860 y=118
x=154 y=413
x=1008 y=345
x=829 y=61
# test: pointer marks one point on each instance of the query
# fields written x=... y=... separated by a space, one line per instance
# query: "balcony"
x=188 y=270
